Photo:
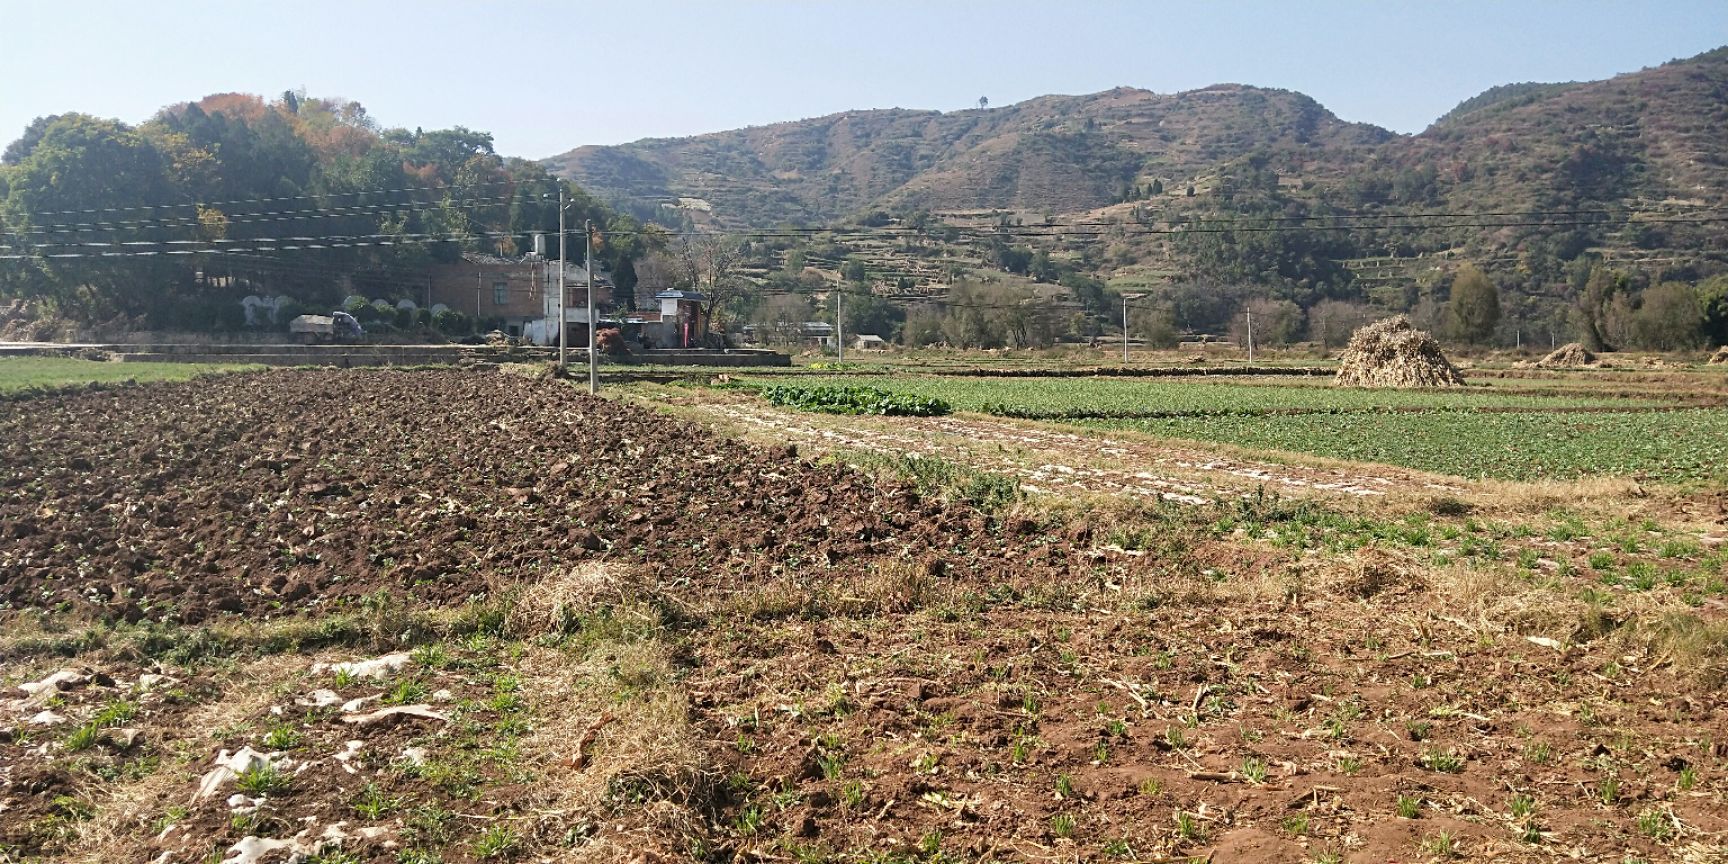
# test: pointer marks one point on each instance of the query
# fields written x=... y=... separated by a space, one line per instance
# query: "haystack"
x=1720 y=358
x=1393 y=353
x=1570 y=354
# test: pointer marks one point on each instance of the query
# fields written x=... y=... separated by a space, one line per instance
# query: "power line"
x=308 y=197
x=241 y=219
x=345 y=241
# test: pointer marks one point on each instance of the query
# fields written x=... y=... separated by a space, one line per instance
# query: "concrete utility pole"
x=840 y=317
x=593 y=358
x=1124 y=329
x=562 y=342
x=1125 y=299
x=1250 y=336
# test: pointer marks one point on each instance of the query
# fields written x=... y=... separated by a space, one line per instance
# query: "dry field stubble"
x=694 y=649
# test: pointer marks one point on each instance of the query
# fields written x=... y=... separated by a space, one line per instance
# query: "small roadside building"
x=680 y=322
x=816 y=334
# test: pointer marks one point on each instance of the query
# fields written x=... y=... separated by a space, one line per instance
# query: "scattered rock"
x=394 y=713
x=378 y=668
x=349 y=751
x=232 y=765
x=63 y=680
x=150 y=681
x=354 y=705
x=121 y=739
x=310 y=841
x=318 y=699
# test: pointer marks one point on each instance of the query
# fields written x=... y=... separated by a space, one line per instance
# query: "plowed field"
x=279 y=493
x=469 y=616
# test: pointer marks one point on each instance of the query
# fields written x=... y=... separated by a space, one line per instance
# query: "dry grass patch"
x=127 y=811
x=1604 y=497
x=559 y=602
x=622 y=773
x=621 y=766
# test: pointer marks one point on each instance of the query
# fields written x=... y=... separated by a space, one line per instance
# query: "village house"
x=517 y=295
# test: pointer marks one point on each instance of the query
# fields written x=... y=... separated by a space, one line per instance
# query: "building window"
x=500 y=293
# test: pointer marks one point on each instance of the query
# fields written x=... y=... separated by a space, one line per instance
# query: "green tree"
x=1276 y=322
x=855 y=272
x=868 y=314
x=19 y=149
x=1670 y=318
x=85 y=163
x=1713 y=297
x=1474 y=310
x=1593 y=304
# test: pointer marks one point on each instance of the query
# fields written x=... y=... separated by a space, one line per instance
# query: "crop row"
x=1682 y=446
x=854 y=400
x=1078 y=398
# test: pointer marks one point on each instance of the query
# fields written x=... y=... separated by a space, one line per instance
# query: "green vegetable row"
x=854 y=400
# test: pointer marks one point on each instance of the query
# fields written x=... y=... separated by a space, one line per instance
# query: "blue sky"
x=544 y=77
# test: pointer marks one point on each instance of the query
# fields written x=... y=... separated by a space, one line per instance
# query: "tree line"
x=238 y=167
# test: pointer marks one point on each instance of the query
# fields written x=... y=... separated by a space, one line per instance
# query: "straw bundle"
x=1393 y=353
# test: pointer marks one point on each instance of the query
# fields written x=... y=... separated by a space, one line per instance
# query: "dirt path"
x=1047 y=459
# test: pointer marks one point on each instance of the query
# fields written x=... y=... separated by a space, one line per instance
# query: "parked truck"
x=335 y=327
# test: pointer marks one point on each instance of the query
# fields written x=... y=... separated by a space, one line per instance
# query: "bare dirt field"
x=472 y=616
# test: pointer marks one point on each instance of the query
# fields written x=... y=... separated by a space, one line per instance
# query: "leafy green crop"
x=1679 y=446
x=1126 y=398
x=854 y=400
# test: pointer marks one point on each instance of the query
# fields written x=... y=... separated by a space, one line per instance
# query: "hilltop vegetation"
x=94 y=206
x=1504 y=96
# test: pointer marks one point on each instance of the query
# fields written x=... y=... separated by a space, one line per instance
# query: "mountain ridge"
x=1640 y=143
x=1019 y=155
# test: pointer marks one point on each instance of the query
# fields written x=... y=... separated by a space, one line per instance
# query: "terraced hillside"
x=1648 y=140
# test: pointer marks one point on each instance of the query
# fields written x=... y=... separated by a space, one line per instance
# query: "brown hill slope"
x=1644 y=138
x=1649 y=140
x=1055 y=153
